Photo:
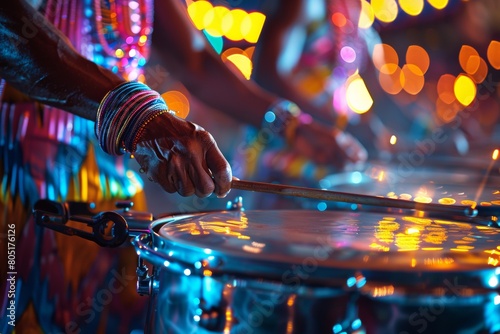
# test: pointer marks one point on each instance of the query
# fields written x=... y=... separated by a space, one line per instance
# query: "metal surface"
x=305 y=271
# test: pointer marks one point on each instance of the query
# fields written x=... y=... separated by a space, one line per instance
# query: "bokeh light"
x=493 y=54
x=197 y=11
x=438 y=4
x=213 y=20
x=177 y=102
x=366 y=16
x=338 y=19
x=231 y=24
x=464 y=89
x=251 y=26
x=466 y=52
x=445 y=87
x=446 y=112
x=348 y=54
x=391 y=83
x=243 y=63
x=385 y=58
x=217 y=42
x=481 y=72
x=412 y=79
x=416 y=55
x=385 y=10
x=412 y=7
x=357 y=94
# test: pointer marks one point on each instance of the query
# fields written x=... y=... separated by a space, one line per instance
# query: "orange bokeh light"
x=412 y=79
x=493 y=54
x=445 y=88
x=417 y=56
x=385 y=57
x=391 y=83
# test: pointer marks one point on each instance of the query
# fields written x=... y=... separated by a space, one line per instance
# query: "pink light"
x=348 y=54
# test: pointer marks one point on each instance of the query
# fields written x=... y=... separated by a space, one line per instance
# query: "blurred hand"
x=182 y=157
x=324 y=145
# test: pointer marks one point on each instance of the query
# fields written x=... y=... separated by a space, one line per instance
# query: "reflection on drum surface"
x=300 y=271
x=446 y=184
x=372 y=238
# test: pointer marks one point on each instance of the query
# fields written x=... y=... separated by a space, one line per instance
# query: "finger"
x=202 y=179
x=165 y=178
x=183 y=182
x=220 y=169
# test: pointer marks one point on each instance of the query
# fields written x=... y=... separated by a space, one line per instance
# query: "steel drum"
x=446 y=182
x=310 y=271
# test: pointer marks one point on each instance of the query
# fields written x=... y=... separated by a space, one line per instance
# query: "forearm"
x=187 y=55
x=38 y=60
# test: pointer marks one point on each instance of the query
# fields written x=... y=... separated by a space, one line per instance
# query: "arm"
x=38 y=60
x=188 y=56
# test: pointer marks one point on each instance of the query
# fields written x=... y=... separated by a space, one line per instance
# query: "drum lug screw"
x=146 y=284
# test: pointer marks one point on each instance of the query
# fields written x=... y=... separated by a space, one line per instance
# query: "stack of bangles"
x=124 y=113
x=282 y=120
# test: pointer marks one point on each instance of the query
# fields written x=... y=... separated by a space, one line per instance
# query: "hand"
x=327 y=146
x=182 y=157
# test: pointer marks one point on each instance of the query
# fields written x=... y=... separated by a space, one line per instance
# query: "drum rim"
x=151 y=247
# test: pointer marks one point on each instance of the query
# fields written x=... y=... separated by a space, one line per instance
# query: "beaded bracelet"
x=123 y=114
x=282 y=120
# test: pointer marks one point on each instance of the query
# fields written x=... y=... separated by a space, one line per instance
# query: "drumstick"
x=329 y=195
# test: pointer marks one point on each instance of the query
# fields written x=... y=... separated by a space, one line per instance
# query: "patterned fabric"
x=65 y=284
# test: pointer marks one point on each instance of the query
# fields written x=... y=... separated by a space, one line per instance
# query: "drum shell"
x=194 y=304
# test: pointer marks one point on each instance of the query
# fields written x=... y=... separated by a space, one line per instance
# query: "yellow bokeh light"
x=233 y=51
x=232 y=24
x=494 y=156
x=412 y=7
x=119 y=53
x=178 y=102
x=357 y=95
x=416 y=55
x=385 y=10
x=214 y=21
x=393 y=140
x=438 y=4
x=197 y=11
x=464 y=89
x=251 y=26
x=493 y=54
x=366 y=15
x=243 y=63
